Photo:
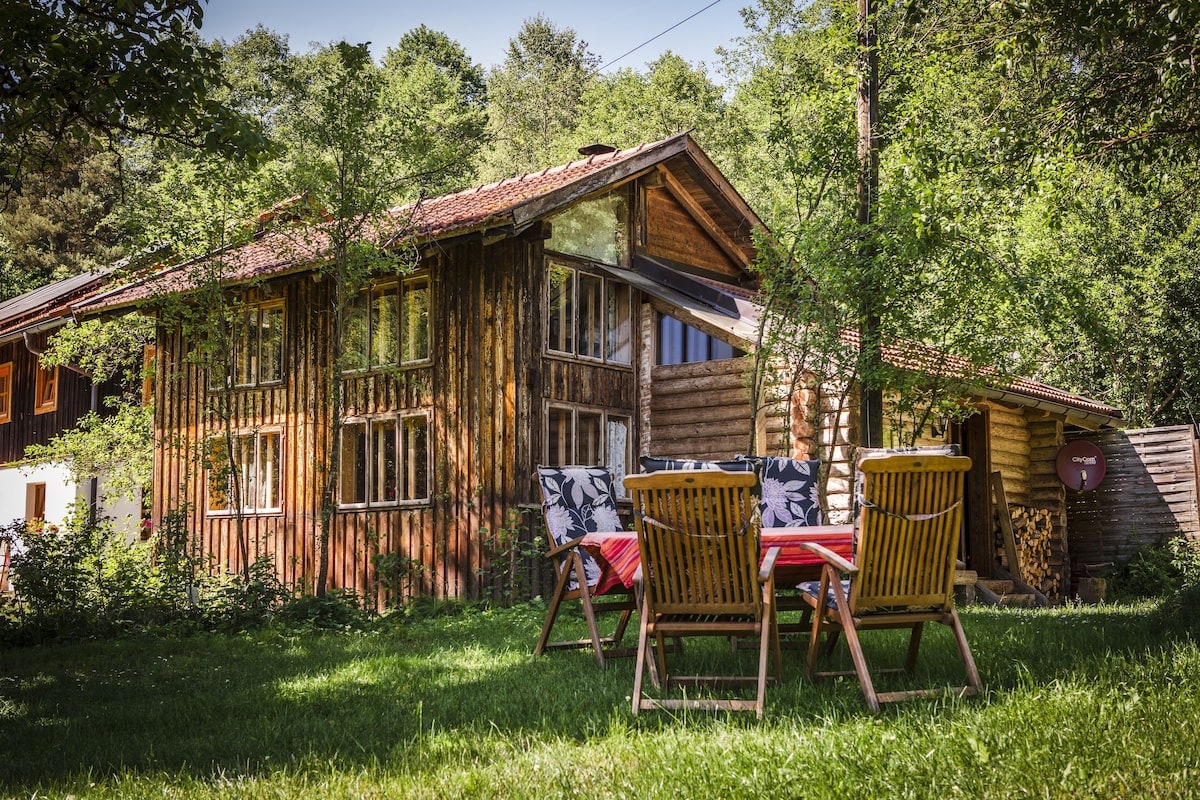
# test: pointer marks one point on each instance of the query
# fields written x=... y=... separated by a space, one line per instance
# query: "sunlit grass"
x=1080 y=702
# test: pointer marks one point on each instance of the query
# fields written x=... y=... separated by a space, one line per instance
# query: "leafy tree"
x=353 y=163
x=434 y=106
x=631 y=107
x=534 y=98
x=942 y=216
x=75 y=70
x=59 y=224
x=1119 y=299
x=1115 y=76
x=116 y=442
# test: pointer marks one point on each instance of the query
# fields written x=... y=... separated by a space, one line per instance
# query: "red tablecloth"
x=618 y=551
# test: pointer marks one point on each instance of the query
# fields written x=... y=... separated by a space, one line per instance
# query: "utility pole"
x=870 y=346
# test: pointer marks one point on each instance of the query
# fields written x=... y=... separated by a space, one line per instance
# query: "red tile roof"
x=498 y=205
x=490 y=205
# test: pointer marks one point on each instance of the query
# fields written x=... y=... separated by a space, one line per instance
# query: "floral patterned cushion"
x=650 y=464
x=789 y=494
x=576 y=501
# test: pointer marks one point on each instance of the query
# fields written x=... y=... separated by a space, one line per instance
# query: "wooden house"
x=38 y=403
x=587 y=313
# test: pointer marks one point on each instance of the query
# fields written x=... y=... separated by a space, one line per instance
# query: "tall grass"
x=1081 y=702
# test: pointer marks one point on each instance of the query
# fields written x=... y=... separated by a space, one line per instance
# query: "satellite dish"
x=1080 y=465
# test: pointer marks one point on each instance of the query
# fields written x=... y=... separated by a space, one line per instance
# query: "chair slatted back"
x=909 y=528
x=698 y=539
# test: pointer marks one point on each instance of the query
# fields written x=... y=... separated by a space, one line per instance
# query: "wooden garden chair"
x=911 y=514
x=577 y=501
x=698 y=540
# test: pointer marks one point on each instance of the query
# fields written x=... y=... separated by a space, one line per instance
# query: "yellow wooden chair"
x=911 y=515
x=700 y=575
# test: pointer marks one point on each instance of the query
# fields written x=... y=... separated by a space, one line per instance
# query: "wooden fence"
x=1148 y=496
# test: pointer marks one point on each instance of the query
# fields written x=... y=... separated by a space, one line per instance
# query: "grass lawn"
x=1081 y=702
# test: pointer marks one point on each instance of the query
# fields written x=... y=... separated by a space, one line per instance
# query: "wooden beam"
x=716 y=231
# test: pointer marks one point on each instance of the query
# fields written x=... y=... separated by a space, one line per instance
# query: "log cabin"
x=37 y=403
x=584 y=314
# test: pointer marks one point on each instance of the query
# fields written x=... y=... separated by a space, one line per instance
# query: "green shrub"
x=1152 y=573
x=337 y=610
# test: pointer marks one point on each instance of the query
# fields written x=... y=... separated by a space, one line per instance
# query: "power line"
x=651 y=39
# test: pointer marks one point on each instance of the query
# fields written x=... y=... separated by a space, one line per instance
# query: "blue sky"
x=483 y=28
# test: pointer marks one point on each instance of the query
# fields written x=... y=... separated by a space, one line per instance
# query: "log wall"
x=701 y=410
x=1148 y=496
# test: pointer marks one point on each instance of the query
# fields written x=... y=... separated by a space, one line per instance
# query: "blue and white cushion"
x=578 y=501
x=789 y=496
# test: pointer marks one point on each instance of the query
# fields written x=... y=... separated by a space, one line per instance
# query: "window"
x=588 y=437
x=251 y=472
x=595 y=229
x=257 y=354
x=45 y=396
x=384 y=461
x=679 y=343
x=388 y=325
x=589 y=316
x=35 y=501
x=6 y=391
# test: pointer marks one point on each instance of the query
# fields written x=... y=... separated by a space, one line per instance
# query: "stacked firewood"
x=1033 y=530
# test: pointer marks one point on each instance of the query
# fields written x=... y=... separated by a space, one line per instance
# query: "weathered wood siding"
x=1148 y=496
x=25 y=427
x=485 y=428
x=674 y=234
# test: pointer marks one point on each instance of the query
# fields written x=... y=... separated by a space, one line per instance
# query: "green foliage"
x=93 y=68
x=1119 y=77
x=931 y=275
x=399 y=575
x=337 y=610
x=86 y=580
x=118 y=446
x=57 y=223
x=514 y=553
x=1152 y=573
x=435 y=107
x=108 y=350
x=534 y=99
x=628 y=107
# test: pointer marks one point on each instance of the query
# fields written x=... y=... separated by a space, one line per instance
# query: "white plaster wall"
x=61 y=492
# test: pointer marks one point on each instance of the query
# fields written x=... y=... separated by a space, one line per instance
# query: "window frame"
x=43 y=404
x=604 y=337
x=6 y=392
x=257 y=435
x=403 y=466
x=366 y=303
x=688 y=338
x=232 y=370
x=606 y=416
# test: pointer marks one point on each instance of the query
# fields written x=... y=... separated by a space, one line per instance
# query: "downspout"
x=93 y=492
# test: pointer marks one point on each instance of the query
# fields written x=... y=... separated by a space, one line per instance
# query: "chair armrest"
x=567 y=545
x=829 y=557
x=768 y=564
